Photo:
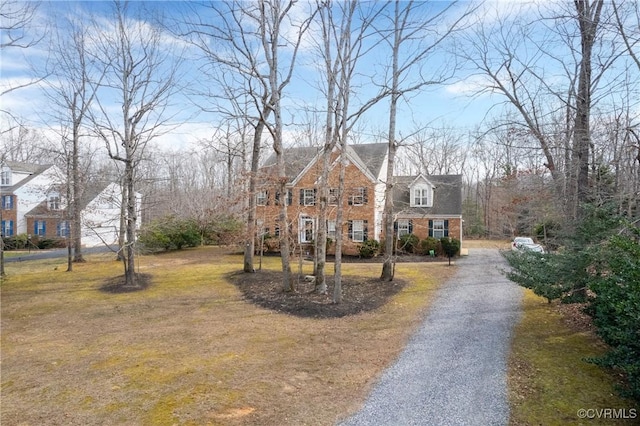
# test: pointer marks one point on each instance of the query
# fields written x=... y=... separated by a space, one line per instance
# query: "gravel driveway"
x=453 y=370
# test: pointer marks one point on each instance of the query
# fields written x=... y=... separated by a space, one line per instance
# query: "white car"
x=526 y=244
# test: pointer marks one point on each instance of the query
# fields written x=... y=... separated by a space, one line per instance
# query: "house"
x=34 y=203
x=424 y=205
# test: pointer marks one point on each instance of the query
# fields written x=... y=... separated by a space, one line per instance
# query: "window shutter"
x=289 y=197
x=44 y=228
x=350 y=200
x=266 y=196
x=431 y=228
x=350 y=225
x=315 y=196
x=365 y=197
x=10 y=227
x=302 y=197
x=277 y=198
x=365 y=230
x=35 y=227
x=410 y=226
x=58 y=229
x=446 y=228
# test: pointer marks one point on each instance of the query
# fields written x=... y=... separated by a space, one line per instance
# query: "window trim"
x=6 y=228
x=7 y=205
x=333 y=197
x=358 y=196
x=404 y=227
x=5 y=176
x=439 y=227
x=422 y=200
x=40 y=228
x=302 y=232
x=262 y=198
x=331 y=233
x=309 y=197
x=354 y=230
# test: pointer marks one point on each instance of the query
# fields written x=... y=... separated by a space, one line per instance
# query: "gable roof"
x=90 y=193
x=32 y=170
x=447 y=195
x=298 y=159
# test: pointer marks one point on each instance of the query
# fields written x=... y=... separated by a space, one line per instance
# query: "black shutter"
x=350 y=225
x=277 y=198
x=365 y=231
x=315 y=196
x=365 y=198
x=446 y=228
x=266 y=198
x=410 y=226
x=431 y=228
x=302 y=197
x=289 y=197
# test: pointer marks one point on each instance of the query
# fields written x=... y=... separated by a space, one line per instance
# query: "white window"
x=261 y=198
x=357 y=233
x=403 y=227
x=54 y=201
x=309 y=197
x=5 y=176
x=358 y=197
x=306 y=229
x=438 y=229
x=39 y=227
x=421 y=197
x=7 y=202
x=331 y=229
x=63 y=229
x=333 y=196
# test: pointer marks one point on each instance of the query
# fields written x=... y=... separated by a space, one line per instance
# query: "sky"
x=453 y=104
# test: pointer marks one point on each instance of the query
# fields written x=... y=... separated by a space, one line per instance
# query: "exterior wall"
x=51 y=226
x=101 y=217
x=33 y=193
x=354 y=177
x=421 y=226
x=12 y=213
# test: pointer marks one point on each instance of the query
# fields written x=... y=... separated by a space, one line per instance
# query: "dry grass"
x=549 y=379
x=188 y=350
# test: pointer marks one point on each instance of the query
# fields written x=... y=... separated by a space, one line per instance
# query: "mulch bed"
x=264 y=288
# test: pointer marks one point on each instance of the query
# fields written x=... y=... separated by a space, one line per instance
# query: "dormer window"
x=54 y=201
x=421 y=192
x=5 y=176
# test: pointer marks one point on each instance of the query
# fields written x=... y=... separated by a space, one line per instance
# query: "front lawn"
x=189 y=349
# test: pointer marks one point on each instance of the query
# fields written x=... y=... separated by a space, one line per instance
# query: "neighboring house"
x=34 y=203
x=433 y=209
x=23 y=187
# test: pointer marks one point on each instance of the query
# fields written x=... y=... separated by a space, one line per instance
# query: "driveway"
x=453 y=370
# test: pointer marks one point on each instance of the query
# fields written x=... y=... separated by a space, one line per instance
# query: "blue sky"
x=450 y=105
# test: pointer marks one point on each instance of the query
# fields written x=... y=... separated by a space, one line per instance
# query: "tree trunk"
x=251 y=214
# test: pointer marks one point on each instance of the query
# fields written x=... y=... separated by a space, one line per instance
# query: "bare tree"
x=413 y=38
x=71 y=88
x=142 y=74
x=16 y=22
x=550 y=85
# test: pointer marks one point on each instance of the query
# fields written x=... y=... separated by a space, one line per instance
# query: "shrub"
x=369 y=248
x=450 y=246
x=409 y=243
x=601 y=257
x=616 y=308
x=429 y=244
x=170 y=233
x=222 y=229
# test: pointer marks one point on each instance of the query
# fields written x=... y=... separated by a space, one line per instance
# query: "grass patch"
x=549 y=379
x=189 y=349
